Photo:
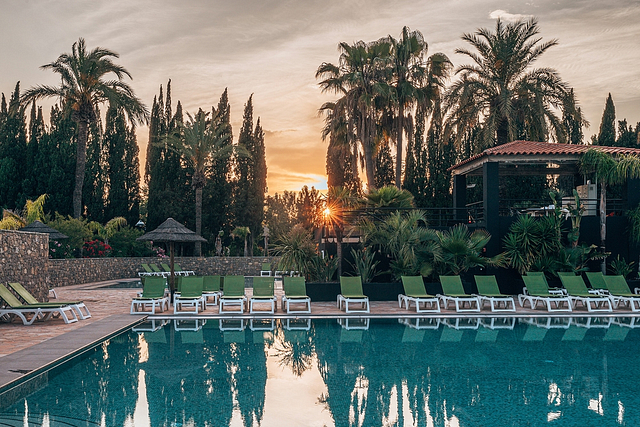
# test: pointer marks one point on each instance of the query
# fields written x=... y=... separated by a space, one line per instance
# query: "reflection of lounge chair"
x=620 y=293
x=488 y=291
x=420 y=323
x=153 y=295
x=190 y=295
x=150 y=325
x=351 y=293
x=354 y=324
x=211 y=289
x=592 y=322
x=459 y=323
x=263 y=294
x=498 y=322
x=232 y=294
x=295 y=292
x=262 y=324
x=38 y=310
x=297 y=324
x=412 y=334
x=574 y=333
x=414 y=291
x=538 y=292
x=578 y=293
x=192 y=325
x=227 y=325
x=453 y=292
x=548 y=322
x=78 y=306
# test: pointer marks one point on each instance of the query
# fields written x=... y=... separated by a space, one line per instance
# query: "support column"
x=491 y=205
x=460 y=197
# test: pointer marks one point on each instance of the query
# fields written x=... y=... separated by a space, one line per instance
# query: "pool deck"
x=28 y=350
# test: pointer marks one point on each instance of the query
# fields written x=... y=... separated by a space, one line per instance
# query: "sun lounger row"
x=30 y=309
x=154 y=270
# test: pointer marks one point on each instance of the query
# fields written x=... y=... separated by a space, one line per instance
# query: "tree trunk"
x=503 y=131
x=339 y=249
x=603 y=223
x=246 y=247
x=81 y=161
x=368 y=154
x=198 y=246
x=399 y=151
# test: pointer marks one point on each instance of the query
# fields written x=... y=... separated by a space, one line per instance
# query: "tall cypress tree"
x=572 y=120
x=95 y=181
x=384 y=173
x=13 y=145
x=258 y=182
x=241 y=193
x=607 y=134
x=132 y=176
x=216 y=195
x=36 y=133
x=415 y=171
x=115 y=141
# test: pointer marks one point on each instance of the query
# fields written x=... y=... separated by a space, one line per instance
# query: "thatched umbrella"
x=38 y=227
x=171 y=231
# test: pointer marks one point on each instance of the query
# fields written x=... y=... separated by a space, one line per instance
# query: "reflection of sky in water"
x=378 y=373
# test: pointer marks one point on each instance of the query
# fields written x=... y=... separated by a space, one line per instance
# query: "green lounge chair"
x=211 y=289
x=46 y=311
x=78 y=306
x=266 y=270
x=263 y=293
x=147 y=271
x=153 y=295
x=295 y=291
x=537 y=291
x=558 y=291
x=619 y=292
x=488 y=291
x=176 y=267
x=596 y=280
x=190 y=295
x=578 y=293
x=155 y=268
x=414 y=291
x=453 y=292
x=565 y=273
x=351 y=293
x=232 y=294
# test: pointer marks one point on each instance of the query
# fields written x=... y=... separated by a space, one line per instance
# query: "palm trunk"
x=246 y=247
x=81 y=161
x=603 y=223
x=368 y=154
x=503 y=132
x=339 y=249
x=399 y=151
x=198 y=247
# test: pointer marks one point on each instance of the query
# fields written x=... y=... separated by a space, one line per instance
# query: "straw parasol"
x=38 y=227
x=171 y=231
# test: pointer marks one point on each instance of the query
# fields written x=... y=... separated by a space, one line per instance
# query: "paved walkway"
x=25 y=349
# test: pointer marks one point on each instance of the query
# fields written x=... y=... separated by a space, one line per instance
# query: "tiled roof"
x=532 y=148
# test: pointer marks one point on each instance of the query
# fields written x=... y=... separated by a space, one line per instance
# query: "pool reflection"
x=354 y=372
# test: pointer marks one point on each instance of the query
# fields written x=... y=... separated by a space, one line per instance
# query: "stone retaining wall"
x=65 y=272
x=24 y=258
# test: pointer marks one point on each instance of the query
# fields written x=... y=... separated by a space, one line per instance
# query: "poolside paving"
x=28 y=348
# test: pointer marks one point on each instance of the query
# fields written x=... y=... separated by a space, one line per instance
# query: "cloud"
x=509 y=17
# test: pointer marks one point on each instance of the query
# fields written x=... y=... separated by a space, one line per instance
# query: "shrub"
x=95 y=249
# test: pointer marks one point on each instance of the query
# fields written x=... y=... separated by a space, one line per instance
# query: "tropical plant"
x=33 y=211
x=324 y=269
x=405 y=237
x=203 y=138
x=634 y=224
x=105 y=232
x=461 y=249
x=502 y=92
x=576 y=210
x=242 y=233
x=530 y=239
x=620 y=267
x=296 y=250
x=574 y=258
x=388 y=197
x=83 y=88
x=364 y=264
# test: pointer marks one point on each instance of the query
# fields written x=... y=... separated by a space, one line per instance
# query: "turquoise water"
x=467 y=372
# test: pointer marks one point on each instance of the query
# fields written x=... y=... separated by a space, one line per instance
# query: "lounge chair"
x=176 y=267
x=578 y=293
x=414 y=291
x=351 y=293
x=488 y=291
x=266 y=270
x=453 y=292
x=232 y=294
x=211 y=289
x=295 y=291
x=147 y=271
x=263 y=293
x=538 y=292
x=190 y=295
x=619 y=292
x=28 y=316
x=597 y=282
x=46 y=311
x=78 y=306
x=153 y=295
x=565 y=273
x=558 y=291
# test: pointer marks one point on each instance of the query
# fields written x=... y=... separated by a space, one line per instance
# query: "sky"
x=272 y=49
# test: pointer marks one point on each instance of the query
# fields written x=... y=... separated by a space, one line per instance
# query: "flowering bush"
x=160 y=252
x=95 y=249
x=59 y=250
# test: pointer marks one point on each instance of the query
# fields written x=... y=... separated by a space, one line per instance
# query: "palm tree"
x=338 y=200
x=502 y=91
x=357 y=79
x=415 y=79
x=242 y=233
x=33 y=211
x=201 y=140
x=83 y=88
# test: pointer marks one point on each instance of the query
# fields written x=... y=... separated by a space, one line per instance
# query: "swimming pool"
x=349 y=372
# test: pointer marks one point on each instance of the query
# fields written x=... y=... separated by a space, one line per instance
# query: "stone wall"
x=64 y=272
x=24 y=258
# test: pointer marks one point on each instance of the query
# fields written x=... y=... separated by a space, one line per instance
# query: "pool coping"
x=19 y=368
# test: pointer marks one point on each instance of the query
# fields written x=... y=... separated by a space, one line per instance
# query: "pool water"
x=355 y=372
